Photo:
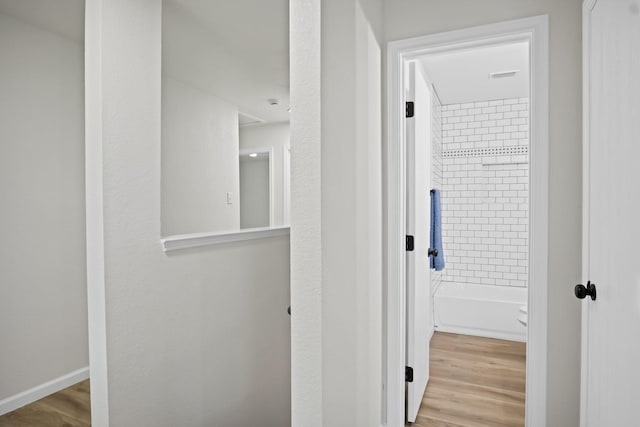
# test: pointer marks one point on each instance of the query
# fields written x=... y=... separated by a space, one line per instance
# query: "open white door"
x=419 y=319
x=611 y=321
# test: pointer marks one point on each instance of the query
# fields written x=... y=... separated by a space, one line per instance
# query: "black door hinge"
x=409 y=243
x=408 y=374
x=409 y=109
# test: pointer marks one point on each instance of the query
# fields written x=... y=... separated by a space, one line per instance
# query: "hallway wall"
x=43 y=306
x=199 y=160
x=197 y=337
x=336 y=216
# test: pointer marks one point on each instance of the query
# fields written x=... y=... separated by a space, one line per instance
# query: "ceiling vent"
x=503 y=74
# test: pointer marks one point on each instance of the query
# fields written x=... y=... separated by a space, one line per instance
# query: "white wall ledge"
x=194 y=240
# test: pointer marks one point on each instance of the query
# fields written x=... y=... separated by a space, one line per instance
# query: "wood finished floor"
x=67 y=408
x=474 y=382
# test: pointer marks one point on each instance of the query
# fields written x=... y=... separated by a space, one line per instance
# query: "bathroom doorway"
x=468 y=109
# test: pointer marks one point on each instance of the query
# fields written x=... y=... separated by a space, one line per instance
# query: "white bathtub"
x=482 y=310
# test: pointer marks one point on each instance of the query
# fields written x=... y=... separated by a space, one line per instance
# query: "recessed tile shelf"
x=493 y=156
x=485 y=152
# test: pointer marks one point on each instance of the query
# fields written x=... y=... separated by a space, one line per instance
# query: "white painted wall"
x=276 y=135
x=196 y=338
x=199 y=160
x=43 y=308
x=336 y=212
x=65 y=17
x=410 y=18
x=306 y=217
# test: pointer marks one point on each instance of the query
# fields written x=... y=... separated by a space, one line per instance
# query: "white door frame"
x=286 y=185
x=587 y=7
x=94 y=193
x=535 y=30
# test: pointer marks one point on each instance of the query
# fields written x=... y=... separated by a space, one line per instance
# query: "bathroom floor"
x=69 y=408
x=474 y=381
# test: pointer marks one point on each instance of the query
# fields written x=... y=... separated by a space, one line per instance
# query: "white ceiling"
x=463 y=75
x=64 y=17
x=243 y=56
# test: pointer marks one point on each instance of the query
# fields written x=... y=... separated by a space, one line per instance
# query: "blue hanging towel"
x=435 y=240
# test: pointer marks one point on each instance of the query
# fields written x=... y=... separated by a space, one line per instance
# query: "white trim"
x=587 y=7
x=286 y=185
x=393 y=356
x=195 y=240
x=534 y=30
x=269 y=150
x=43 y=390
x=536 y=384
x=482 y=333
x=96 y=297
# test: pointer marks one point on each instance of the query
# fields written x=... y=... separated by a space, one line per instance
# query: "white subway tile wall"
x=485 y=197
x=436 y=165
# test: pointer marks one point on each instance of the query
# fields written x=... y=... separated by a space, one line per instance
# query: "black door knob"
x=581 y=291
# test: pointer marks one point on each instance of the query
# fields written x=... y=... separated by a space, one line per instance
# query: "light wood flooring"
x=474 y=382
x=67 y=408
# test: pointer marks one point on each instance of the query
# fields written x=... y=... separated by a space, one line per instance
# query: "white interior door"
x=419 y=319
x=611 y=322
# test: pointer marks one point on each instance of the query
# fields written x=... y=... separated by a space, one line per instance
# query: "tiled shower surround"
x=436 y=163
x=485 y=191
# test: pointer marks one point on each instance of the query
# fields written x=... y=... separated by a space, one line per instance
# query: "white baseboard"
x=43 y=390
x=483 y=333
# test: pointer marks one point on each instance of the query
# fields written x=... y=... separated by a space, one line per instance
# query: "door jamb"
x=94 y=210
x=587 y=7
x=535 y=30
